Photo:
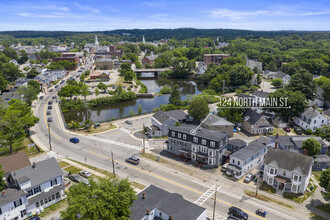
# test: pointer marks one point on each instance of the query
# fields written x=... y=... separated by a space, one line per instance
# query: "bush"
x=209 y=91
x=309 y=131
x=165 y=90
x=238 y=91
x=122 y=97
x=112 y=92
x=68 y=105
x=244 y=88
x=254 y=88
x=267 y=188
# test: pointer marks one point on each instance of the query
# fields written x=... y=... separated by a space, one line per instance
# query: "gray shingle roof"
x=248 y=151
x=311 y=113
x=42 y=195
x=289 y=160
x=237 y=142
x=201 y=132
x=280 y=75
x=11 y=195
x=215 y=120
x=327 y=112
x=170 y=203
x=322 y=158
x=260 y=94
x=162 y=116
x=45 y=171
x=251 y=116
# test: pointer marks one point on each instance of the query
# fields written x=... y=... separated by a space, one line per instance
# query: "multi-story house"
x=201 y=146
x=161 y=121
x=255 y=123
x=214 y=58
x=13 y=204
x=287 y=171
x=58 y=74
x=22 y=81
x=283 y=76
x=259 y=97
x=216 y=123
x=156 y=203
x=149 y=59
x=310 y=119
x=41 y=182
x=246 y=159
x=321 y=162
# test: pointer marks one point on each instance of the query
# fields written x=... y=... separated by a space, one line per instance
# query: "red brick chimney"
x=144 y=195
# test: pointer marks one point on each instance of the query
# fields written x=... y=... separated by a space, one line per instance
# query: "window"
x=37 y=190
x=233 y=160
x=41 y=202
x=179 y=135
x=169 y=148
x=46 y=201
x=195 y=139
x=318 y=165
x=0 y=211
x=212 y=153
x=37 y=204
x=49 y=198
x=17 y=203
x=165 y=126
x=193 y=156
x=238 y=163
x=194 y=148
x=296 y=177
x=314 y=121
x=294 y=188
x=212 y=144
x=221 y=143
x=284 y=173
x=53 y=197
x=272 y=171
x=203 y=142
x=184 y=136
x=203 y=149
x=29 y=193
x=23 y=213
x=58 y=195
x=270 y=180
x=322 y=121
x=53 y=182
x=211 y=161
x=173 y=134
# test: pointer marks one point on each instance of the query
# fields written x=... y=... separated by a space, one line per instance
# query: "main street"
x=96 y=150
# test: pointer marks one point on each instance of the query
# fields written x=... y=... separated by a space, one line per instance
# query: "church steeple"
x=96 y=41
x=143 y=40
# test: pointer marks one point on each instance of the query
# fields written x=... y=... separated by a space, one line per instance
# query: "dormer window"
x=184 y=136
x=179 y=135
x=203 y=141
x=195 y=139
x=173 y=134
x=272 y=171
x=212 y=144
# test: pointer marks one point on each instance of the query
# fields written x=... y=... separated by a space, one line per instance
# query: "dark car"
x=51 y=90
x=49 y=107
x=62 y=81
x=74 y=140
x=128 y=122
x=35 y=218
x=56 y=86
x=49 y=120
x=49 y=112
x=133 y=160
x=78 y=179
x=238 y=213
x=41 y=98
x=50 y=102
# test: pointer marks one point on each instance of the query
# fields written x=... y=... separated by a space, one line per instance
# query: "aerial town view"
x=164 y=110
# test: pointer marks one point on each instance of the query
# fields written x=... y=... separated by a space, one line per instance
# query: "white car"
x=248 y=178
x=224 y=167
x=85 y=174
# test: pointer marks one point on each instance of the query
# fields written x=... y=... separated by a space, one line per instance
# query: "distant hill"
x=155 y=34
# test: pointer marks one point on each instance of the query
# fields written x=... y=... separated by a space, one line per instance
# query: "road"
x=96 y=151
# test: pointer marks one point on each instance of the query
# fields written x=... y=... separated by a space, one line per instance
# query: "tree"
x=45 y=61
x=277 y=82
x=34 y=84
x=82 y=77
x=325 y=182
x=29 y=93
x=175 y=97
x=24 y=57
x=272 y=66
x=2 y=182
x=124 y=67
x=259 y=80
x=106 y=199
x=323 y=132
x=140 y=109
x=177 y=124
x=240 y=75
x=10 y=71
x=198 y=108
x=3 y=83
x=314 y=66
x=84 y=91
x=231 y=114
x=32 y=73
x=11 y=53
x=129 y=76
x=312 y=146
x=303 y=81
x=138 y=65
x=97 y=92
x=217 y=83
x=102 y=86
x=326 y=90
x=119 y=89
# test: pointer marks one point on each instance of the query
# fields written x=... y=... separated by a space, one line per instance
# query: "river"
x=188 y=88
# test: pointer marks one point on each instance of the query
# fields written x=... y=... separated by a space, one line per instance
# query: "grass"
x=267 y=188
x=299 y=197
x=107 y=173
x=138 y=185
x=63 y=164
x=153 y=157
x=122 y=82
x=317 y=217
x=101 y=128
x=54 y=208
x=317 y=174
x=324 y=208
x=267 y=199
x=73 y=170
x=30 y=151
x=279 y=131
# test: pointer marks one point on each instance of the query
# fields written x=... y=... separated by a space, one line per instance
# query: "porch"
x=185 y=154
x=282 y=184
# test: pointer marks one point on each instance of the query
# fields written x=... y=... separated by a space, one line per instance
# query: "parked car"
x=286 y=129
x=224 y=167
x=249 y=177
x=49 y=112
x=85 y=174
x=66 y=182
x=50 y=102
x=78 y=179
x=54 y=97
x=49 y=107
x=50 y=90
x=35 y=218
x=298 y=130
x=133 y=160
x=56 y=86
x=49 y=120
x=74 y=140
x=238 y=213
x=41 y=98
x=128 y=122
x=62 y=81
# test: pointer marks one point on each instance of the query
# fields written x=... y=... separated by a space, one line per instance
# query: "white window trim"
x=212 y=143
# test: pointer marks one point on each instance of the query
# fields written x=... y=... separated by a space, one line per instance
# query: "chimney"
x=276 y=143
x=34 y=165
x=277 y=135
x=148 y=211
x=3 y=193
x=170 y=217
x=144 y=195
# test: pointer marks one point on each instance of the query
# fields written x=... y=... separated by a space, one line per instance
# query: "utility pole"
x=50 y=140
x=215 y=201
x=258 y=177
x=113 y=165
x=143 y=134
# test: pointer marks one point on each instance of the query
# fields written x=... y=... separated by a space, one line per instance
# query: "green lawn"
x=267 y=188
x=317 y=174
x=30 y=151
x=279 y=131
x=299 y=197
x=73 y=169
x=324 y=208
x=267 y=199
x=63 y=164
x=54 y=208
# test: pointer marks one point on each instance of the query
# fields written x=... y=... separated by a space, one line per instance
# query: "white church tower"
x=143 y=40
x=96 y=41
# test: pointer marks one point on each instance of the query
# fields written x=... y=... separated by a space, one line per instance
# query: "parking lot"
x=137 y=123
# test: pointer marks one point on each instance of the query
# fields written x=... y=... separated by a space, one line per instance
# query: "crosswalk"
x=209 y=213
x=200 y=201
x=116 y=143
x=125 y=130
x=54 y=154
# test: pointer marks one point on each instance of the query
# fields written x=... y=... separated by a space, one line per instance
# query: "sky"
x=99 y=15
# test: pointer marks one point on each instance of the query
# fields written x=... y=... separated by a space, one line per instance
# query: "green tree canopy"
x=277 y=82
x=2 y=182
x=325 y=182
x=129 y=76
x=175 y=97
x=312 y=146
x=198 y=108
x=303 y=81
x=106 y=199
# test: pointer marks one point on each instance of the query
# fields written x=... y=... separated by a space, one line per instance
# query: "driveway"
x=267 y=87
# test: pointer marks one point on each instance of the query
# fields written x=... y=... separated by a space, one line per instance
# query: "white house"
x=13 y=204
x=246 y=159
x=22 y=81
x=283 y=76
x=41 y=182
x=287 y=171
x=310 y=119
x=59 y=74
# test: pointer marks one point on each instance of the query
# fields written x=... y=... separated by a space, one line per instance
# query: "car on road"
x=62 y=81
x=41 y=98
x=238 y=213
x=50 y=102
x=133 y=160
x=49 y=120
x=129 y=122
x=249 y=177
x=56 y=86
x=286 y=129
x=49 y=107
x=50 y=90
x=49 y=112
x=85 y=174
x=224 y=167
x=74 y=140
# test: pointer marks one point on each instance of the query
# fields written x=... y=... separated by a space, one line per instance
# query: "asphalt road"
x=96 y=150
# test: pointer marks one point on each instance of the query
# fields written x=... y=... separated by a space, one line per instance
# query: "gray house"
x=255 y=123
x=216 y=123
x=287 y=171
x=235 y=145
x=206 y=147
x=321 y=163
x=155 y=203
x=161 y=121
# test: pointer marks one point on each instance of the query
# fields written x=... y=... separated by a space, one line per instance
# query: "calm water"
x=120 y=110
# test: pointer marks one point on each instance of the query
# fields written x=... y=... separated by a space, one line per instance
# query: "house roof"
x=311 y=113
x=260 y=94
x=201 y=132
x=264 y=140
x=322 y=158
x=11 y=194
x=237 y=142
x=162 y=116
x=248 y=151
x=152 y=57
x=45 y=170
x=327 y=112
x=289 y=160
x=251 y=116
x=280 y=75
x=14 y=161
x=215 y=120
x=170 y=203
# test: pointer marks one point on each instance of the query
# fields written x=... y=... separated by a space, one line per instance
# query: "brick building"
x=214 y=58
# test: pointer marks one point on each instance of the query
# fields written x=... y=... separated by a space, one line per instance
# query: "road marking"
x=116 y=143
x=168 y=180
x=200 y=201
x=125 y=130
x=113 y=132
x=46 y=119
x=209 y=213
x=53 y=154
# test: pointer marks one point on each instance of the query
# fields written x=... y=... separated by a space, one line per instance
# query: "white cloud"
x=86 y=8
x=234 y=15
x=154 y=3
